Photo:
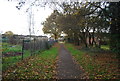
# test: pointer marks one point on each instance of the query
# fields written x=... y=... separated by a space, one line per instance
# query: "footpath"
x=67 y=68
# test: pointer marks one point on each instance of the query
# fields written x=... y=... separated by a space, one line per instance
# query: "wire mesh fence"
x=18 y=48
x=22 y=43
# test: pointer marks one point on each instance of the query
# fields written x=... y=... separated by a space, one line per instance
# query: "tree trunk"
x=55 y=36
x=93 y=37
x=85 y=39
x=89 y=39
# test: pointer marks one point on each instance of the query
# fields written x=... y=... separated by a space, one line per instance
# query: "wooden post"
x=34 y=47
x=22 y=48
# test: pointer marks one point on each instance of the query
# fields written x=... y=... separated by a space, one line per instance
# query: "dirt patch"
x=11 y=54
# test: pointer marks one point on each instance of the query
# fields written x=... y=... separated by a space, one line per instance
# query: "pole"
x=22 y=48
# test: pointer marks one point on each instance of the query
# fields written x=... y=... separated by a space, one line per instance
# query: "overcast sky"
x=12 y=19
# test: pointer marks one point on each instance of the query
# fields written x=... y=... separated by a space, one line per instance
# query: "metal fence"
x=31 y=43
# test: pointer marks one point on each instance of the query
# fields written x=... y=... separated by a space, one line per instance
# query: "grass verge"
x=105 y=47
x=101 y=66
x=40 y=66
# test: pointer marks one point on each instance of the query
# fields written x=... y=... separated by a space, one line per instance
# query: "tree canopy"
x=88 y=22
x=51 y=26
x=8 y=33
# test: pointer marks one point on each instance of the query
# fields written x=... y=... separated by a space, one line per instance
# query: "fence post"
x=22 y=48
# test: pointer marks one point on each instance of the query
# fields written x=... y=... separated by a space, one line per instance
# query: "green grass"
x=40 y=66
x=105 y=47
x=10 y=61
x=11 y=48
x=102 y=66
x=85 y=62
x=73 y=50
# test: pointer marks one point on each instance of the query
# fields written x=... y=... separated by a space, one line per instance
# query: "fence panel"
x=12 y=52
